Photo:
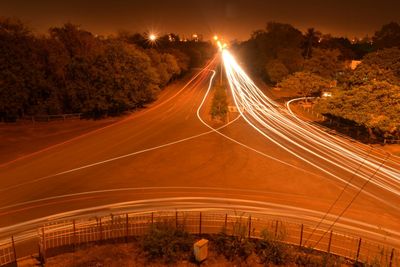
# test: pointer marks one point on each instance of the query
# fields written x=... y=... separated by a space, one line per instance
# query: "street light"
x=152 y=37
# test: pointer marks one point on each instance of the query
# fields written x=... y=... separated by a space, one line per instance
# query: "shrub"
x=219 y=106
x=166 y=242
x=270 y=250
x=233 y=246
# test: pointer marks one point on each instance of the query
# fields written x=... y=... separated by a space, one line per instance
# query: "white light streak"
x=334 y=156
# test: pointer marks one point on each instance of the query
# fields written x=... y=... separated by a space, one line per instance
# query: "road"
x=172 y=150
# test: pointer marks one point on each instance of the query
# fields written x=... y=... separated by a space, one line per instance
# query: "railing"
x=7 y=253
x=62 y=236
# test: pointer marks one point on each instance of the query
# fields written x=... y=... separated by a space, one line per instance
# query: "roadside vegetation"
x=219 y=105
x=167 y=243
x=71 y=70
x=171 y=245
x=363 y=94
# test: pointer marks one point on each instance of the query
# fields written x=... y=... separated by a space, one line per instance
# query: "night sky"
x=234 y=19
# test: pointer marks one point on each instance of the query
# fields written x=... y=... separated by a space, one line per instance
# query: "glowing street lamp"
x=152 y=37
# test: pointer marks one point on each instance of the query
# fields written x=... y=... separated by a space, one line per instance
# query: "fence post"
x=249 y=225
x=126 y=227
x=301 y=234
x=391 y=258
x=276 y=229
x=200 y=224
x=43 y=245
x=112 y=226
x=74 y=234
x=358 y=249
x=226 y=221
x=330 y=242
x=101 y=230
x=14 y=251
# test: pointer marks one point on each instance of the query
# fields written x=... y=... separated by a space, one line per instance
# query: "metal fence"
x=7 y=253
x=62 y=236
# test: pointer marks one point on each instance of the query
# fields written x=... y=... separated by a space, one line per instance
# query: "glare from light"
x=152 y=37
x=215 y=37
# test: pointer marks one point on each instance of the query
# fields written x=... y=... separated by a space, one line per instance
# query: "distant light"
x=221 y=46
x=152 y=37
x=326 y=94
x=215 y=37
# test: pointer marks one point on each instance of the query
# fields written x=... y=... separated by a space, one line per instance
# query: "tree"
x=281 y=35
x=375 y=105
x=324 y=63
x=388 y=36
x=311 y=39
x=78 y=42
x=71 y=70
x=382 y=65
x=22 y=78
x=362 y=47
x=388 y=59
x=278 y=41
x=291 y=58
x=182 y=59
x=276 y=71
x=304 y=84
x=166 y=65
x=346 y=48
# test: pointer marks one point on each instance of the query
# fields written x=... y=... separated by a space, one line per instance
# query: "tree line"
x=310 y=63
x=71 y=70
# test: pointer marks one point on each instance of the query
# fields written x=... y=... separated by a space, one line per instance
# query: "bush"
x=166 y=242
x=219 y=106
x=233 y=246
x=270 y=250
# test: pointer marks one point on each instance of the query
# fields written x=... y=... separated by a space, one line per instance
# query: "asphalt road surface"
x=172 y=150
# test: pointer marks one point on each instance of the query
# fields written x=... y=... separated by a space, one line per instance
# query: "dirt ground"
x=22 y=138
x=130 y=255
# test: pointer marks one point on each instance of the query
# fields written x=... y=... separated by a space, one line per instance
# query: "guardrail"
x=67 y=235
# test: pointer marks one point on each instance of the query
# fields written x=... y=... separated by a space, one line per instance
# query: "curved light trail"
x=288 y=213
x=329 y=154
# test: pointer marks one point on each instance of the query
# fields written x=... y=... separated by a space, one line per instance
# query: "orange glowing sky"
x=235 y=19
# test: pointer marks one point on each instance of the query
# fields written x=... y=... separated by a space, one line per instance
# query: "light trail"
x=28 y=229
x=329 y=154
